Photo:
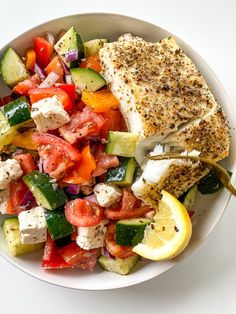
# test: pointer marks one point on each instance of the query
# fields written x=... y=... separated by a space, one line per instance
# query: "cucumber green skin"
x=118 y=265
x=12 y=68
x=58 y=226
x=121 y=143
x=46 y=194
x=188 y=198
x=87 y=79
x=11 y=231
x=129 y=232
x=17 y=111
x=93 y=46
x=69 y=42
x=123 y=174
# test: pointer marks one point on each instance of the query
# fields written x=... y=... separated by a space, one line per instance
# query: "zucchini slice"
x=121 y=143
x=58 y=226
x=45 y=190
x=118 y=265
x=12 y=68
x=129 y=232
x=11 y=231
x=123 y=174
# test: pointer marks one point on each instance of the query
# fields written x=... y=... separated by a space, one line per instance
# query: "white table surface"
x=206 y=281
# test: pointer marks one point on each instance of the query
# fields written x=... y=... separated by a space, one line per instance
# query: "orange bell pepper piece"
x=100 y=101
x=30 y=59
x=81 y=172
x=92 y=62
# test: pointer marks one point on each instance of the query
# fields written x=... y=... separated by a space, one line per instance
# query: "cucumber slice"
x=12 y=68
x=45 y=190
x=129 y=232
x=11 y=231
x=118 y=265
x=92 y=47
x=189 y=198
x=58 y=226
x=7 y=133
x=121 y=143
x=123 y=174
x=17 y=112
x=87 y=79
x=70 y=42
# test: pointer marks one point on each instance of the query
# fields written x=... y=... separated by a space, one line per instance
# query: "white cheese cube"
x=107 y=194
x=49 y=114
x=92 y=237
x=10 y=170
x=33 y=227
x=4 y=195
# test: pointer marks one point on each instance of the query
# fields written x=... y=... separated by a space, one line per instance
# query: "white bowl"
x=210 y=207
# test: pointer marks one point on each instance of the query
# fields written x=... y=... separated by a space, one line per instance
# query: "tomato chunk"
x=115 y=249
x=43 y=50
x=58 y=155
x=69 y=89
x=81 y=172
x=23 y=88
x=114 y=121
x=26 y=162
x=76 y=256
x=103 y=161
x=51 y=257
x=82 y=213
x=17 y=191
x=82 y=124
x=37 y=94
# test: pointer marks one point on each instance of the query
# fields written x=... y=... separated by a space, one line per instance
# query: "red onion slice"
x=28 y=201
x=68 y=79
x=105 y=252
x=91 y=198
x=41 y=73
x=73 y=189
x=72 y=55
x=50 y=80
x=40 y=165
x=65 y=67
x=50 y=38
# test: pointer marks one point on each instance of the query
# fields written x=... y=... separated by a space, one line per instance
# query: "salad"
x=71 y=135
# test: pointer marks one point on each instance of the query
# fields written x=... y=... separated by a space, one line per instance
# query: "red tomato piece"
x=69 y=89
x=114 y=121
x=76 y=256
x=122 y=214
x=103 y=161
x=23 y=88
x=43 y=50
x=82 y=213
x=17 y=191
x=58 y=155
x=82 y=124
x=81 y=172
x=56 y=66
x=26 y=162
x=51 y=257
x=115 y=249
x=129 y=201
x=37 y=94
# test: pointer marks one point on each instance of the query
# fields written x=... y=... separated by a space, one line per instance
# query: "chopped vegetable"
x=100 y=101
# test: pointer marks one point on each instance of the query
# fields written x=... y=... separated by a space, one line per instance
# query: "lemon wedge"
x=169 y=233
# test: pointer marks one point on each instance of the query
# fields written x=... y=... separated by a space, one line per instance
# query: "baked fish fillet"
x=173 y=175
x=158 y=86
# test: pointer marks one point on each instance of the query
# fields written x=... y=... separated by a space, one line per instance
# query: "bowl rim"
x=224 y=207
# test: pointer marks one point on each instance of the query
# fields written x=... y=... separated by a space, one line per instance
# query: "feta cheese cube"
x=92 y=237
x=33 y=227
x=10 y=170
x=4 y=195
x=49 y=114
x=107 y=194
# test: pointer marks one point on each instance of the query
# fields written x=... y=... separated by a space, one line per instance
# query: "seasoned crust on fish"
x=159 y=87
x=179 y=177
x=209 y=135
